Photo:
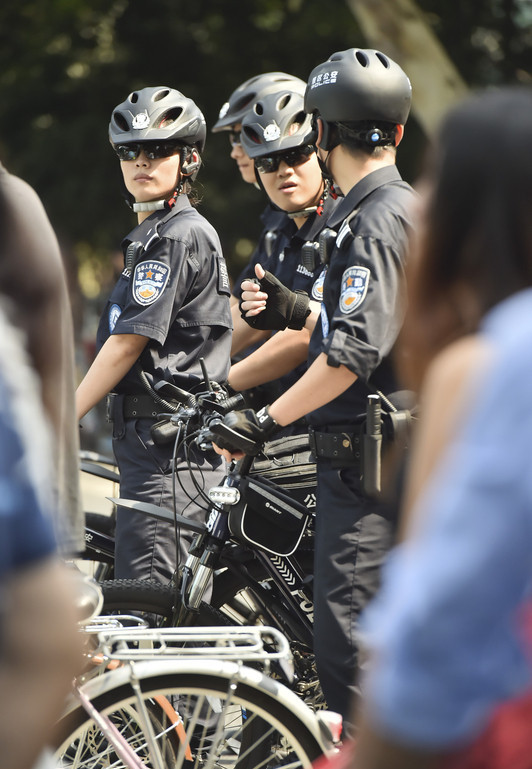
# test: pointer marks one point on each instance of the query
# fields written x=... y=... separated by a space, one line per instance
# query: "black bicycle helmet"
x=359 y=85
x=158 y=114
x=277 y=122
x=234 y=110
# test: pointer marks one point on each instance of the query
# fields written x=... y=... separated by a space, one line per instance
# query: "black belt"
x=132 y=406
x=342 y=446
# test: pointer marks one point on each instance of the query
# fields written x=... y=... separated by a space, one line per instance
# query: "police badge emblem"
x=149 y=281
x=271 y=132
x=140 y=121
x=355 y=281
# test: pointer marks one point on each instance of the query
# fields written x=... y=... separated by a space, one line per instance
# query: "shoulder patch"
x=149 y=281
x=355 y=281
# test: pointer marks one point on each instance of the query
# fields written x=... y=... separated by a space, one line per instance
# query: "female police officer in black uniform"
x=169 y=308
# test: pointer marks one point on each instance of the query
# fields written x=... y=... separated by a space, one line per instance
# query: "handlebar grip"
x=233 y=403
x=236 y=440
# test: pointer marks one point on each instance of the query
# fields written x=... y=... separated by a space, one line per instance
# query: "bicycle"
x=188 y=697
x=253 y=581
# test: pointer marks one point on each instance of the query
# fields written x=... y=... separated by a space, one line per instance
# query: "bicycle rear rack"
x=238 y=644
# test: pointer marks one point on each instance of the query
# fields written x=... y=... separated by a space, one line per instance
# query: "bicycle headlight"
x=224 y=495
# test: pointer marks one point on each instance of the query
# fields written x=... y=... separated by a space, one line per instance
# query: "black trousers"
x=145 y=547
x=353 y=536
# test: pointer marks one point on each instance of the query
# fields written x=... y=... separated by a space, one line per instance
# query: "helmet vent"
x=251 y=134
x=362 y=58
x=283 y=101
x=169 y=118
x=243 y=103
x=383 y=60
x=161 y=95
x=120 y=121
x=258 y=108
x=134 y=97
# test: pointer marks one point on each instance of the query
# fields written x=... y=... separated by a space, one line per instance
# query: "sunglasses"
x=152 y=150
x=296 y=157
x=234 y=139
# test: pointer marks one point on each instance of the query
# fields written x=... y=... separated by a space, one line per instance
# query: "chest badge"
x=149 y=281
x=355 y=281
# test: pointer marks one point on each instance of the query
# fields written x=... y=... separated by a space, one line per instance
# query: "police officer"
x=276 y=228
x=169 y=308
x=279 y=137
x=360 y=100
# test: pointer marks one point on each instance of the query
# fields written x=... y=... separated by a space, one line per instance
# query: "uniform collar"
x=314 y=223
x=361 y=190
x=155 y=220
x=272 y=217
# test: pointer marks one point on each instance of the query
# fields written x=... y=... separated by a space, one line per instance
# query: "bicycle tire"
x=152 y=600
x=238 y=718
x=232 y=596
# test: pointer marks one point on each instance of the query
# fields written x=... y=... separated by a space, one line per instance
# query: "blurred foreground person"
x=33 y=282
x=450 y=633
x=39 y=646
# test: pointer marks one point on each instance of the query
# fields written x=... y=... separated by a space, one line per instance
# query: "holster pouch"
x=115 y=414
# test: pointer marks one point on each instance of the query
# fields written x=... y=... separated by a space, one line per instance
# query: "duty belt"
x=343 y=446
x=132 y=406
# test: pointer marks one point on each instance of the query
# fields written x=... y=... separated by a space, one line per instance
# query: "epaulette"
x=345 y=233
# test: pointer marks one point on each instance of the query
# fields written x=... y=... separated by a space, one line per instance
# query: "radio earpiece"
x=190 y=163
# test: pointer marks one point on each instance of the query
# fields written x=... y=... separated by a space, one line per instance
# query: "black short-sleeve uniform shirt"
x=364 y=291
x=177 y=294
x=269 y=244
x=283 y=259
x=297 y=276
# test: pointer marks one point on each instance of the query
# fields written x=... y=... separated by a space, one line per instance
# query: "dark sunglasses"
x=296 y=157
x=234 y=139
x=152 y=150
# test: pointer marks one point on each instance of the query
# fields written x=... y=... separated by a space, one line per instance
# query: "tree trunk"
x=399 y=29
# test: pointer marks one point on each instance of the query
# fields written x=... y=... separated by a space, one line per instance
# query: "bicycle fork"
x=204 y=553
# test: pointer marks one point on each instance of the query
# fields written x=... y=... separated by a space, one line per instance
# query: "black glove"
x=253 y=427
x=284 y=308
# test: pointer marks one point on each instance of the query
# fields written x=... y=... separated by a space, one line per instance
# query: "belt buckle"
x=110 y=406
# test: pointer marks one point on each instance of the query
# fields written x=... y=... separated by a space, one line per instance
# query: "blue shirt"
x=26 y=527
x=445 y=628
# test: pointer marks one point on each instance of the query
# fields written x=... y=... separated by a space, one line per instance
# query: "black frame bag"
x=267 y=518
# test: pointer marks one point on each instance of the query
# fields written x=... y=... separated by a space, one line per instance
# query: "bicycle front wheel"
x=235 y=718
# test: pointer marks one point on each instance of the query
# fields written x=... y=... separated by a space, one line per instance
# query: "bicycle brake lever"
x=235 y=439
